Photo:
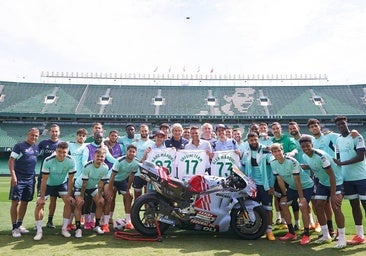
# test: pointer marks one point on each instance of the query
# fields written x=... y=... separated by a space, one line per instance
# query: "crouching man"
x=91 y=183
x=57 y=181
x=300 y=187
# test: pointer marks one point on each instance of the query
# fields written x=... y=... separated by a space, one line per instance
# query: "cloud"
x=234 y=36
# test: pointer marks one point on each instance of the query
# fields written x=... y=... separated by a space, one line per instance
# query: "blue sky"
x=141 y=36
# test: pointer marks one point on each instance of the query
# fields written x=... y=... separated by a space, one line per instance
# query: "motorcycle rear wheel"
x=143 y=214
x=249 y=231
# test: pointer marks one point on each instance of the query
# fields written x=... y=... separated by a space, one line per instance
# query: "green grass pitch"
x=174 y=242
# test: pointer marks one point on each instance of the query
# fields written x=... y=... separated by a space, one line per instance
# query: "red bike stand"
x=134 y=236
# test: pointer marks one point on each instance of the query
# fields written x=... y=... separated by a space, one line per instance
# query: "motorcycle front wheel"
x=251 y=230
x=144 y=212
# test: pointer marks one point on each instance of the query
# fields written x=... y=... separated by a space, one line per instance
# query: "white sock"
x=325 y=232
x=269 y=228
x=359 y=231
x=39 y=225
x=297 y=222
x=65 y=222
x=278 y=215
x=311 y=219
x=71 y=218
x=128 y=217
x=106 y=219
x=91 y=217
x=342 y=233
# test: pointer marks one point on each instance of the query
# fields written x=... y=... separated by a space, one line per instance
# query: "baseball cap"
x=220 y=126
x=159 y=132
x=164 y=125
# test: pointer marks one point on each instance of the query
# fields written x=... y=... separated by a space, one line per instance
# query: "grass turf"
x=175 y=242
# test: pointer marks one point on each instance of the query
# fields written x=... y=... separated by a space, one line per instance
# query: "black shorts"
x=23 y=190
x=57 y=191
x=138 y=183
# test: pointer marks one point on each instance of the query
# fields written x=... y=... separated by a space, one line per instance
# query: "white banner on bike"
x=223 y=161
x=163 y=157
x=191 y=162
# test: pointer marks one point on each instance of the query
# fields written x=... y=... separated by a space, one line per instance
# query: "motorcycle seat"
x=178 y=182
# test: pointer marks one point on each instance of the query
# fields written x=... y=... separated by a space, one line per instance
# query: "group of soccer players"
x=85 y=175
x=289 y=170
x=320 y=168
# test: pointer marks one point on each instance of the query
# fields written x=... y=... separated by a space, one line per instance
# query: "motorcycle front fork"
x=245 y=213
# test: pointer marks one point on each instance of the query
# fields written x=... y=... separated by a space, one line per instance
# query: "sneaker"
x=288 y=237
x=270 y=236
x=70 y=227
x=23 y=230
x=333 y=235
x=65 y=233
x=16 y=233
x=50 y=225
x=98 y=230
x=105 y=228
x=129 y=225
x=282 y=226
x=88 y=226
x=323 y=240
x=78 y=233
x=356 y=240
x=38 y=236
x=305 y=240
x=340 y=244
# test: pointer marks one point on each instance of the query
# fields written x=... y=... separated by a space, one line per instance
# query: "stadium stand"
x=5 y=139
x=131 y=100
x=181 y=100
x=72 y=106
x=12 y=133
x=67 y=99
x=342 y=99
x=83 y=103
x=92 y=94
x=24 y=98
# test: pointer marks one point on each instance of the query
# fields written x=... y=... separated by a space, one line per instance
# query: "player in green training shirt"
x=350 y=154
x=123 y=173
x=57 y=180
x=91 y=183
x=300 y=187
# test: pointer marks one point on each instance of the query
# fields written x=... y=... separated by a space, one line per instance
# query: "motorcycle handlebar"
x=234 y=181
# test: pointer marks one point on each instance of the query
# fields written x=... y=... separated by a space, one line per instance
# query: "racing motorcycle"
x=207 y=203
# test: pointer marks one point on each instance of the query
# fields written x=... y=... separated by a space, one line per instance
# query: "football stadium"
x=190 y=100
x=155 y=99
